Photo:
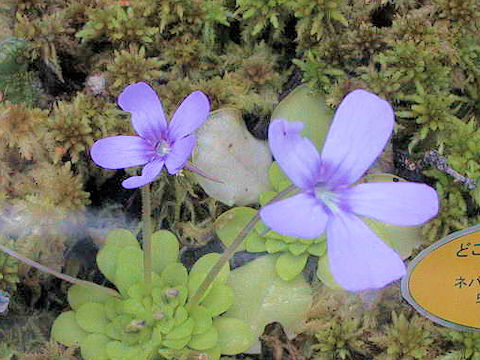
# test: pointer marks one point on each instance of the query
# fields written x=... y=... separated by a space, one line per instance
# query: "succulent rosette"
x=140 y=325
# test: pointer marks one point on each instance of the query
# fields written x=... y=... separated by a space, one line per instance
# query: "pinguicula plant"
x=141 y=323
x=327 y=201
x=160 y=308
x=152 y=314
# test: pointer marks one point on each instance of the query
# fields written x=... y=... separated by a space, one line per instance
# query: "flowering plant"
x=139 y=324
x=157 y=144
x=327 y=201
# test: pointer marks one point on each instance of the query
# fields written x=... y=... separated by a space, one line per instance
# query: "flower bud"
x=172 y=292
x=135 y=326
x=159 y=315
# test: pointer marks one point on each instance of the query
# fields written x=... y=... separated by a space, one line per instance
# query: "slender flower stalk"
x=227 y=255
x=147 y=236
x=61 y=276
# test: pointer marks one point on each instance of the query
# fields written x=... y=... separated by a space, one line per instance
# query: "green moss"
x=132 y=65
x=75 y=125
x=405 y=339
x=120 y=25
x=9 y=276
x=466 y=343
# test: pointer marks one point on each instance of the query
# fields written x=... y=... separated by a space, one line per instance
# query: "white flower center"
x=329 y=198
x=163 y=148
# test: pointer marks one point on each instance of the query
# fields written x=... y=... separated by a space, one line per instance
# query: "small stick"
x=434 y=159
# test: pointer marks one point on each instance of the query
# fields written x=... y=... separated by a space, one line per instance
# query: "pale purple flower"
x=328 y=200
x=158 y=144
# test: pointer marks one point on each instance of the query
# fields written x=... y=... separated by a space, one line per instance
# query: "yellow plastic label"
x=443 y=281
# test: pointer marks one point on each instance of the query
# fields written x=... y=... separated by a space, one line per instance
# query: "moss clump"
x=8 y=269
x=75 y=125
x=132 y=65
x=405 y=339
x=50 y=351
x=467 y=345
x=119 y=24
x=465 y=11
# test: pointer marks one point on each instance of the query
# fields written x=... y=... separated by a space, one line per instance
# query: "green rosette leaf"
x=278 y=180
x=182 y=331
x=92 y=317
x=181 y=315
x=202 y=319
x=219 y=299
x=79 y=295
x=288 y=266
x=266 y=196
x=112 y=307
x=274 y=246
x=107 y=261
x=302 y=105
x=230 y=223
x=204 y=341
x=131 y=270
x=299 y=247
x=118 y=351
x=262 y=297
x=255 y=243
x=107 y=257
x=165 y=250
x=200 y=270
x=134 y=307
x=177 y=343
x=121 y=238
x=318 y=248
x=234 y=335
x=174 y=274
x=66 y=330
x=114 y=329
x=94 y=347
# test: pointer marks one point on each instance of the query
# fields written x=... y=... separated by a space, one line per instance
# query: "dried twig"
x=433 y=158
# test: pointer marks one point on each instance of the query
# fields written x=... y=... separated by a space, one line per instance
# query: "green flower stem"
x=147 y=236
x=227 y=255
x=64 y=277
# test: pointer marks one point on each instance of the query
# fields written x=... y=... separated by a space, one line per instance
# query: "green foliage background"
x=63 y=62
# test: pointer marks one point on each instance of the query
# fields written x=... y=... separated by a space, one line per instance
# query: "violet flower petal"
x=179 y=154
x=402 y=203
x=358 y=259
x=123 y=151
x=295 y=154
x=149 y=173
x=148 y=117
x=189 y=116
x=361 y=127
x=300 y=215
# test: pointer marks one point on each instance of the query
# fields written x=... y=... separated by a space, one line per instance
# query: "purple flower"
x=328 y=200
x=158 y=144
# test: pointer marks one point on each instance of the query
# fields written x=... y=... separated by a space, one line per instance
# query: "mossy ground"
x=63 y=62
